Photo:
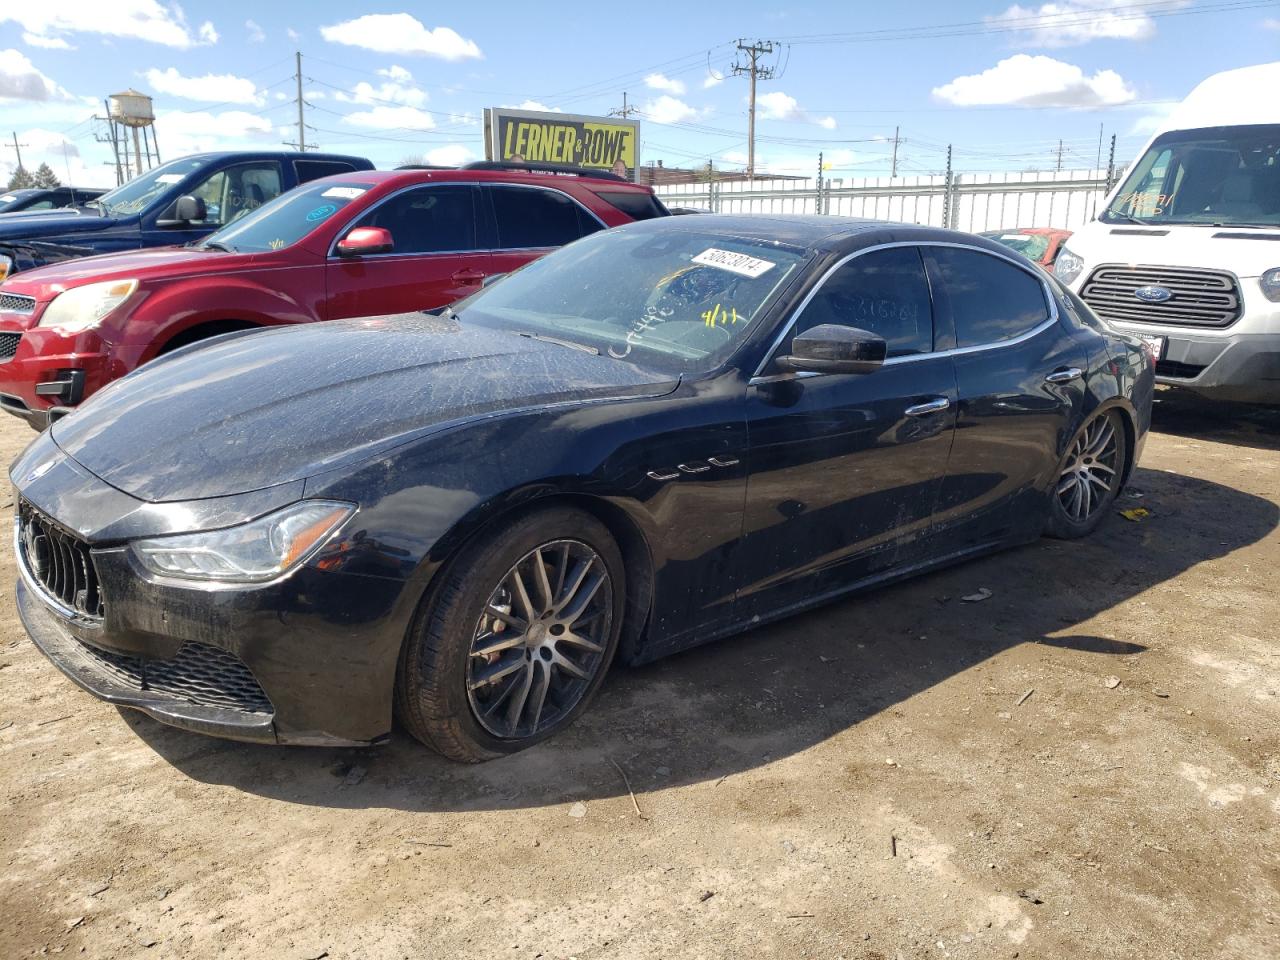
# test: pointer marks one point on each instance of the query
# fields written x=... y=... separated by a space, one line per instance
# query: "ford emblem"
x=1153 y=294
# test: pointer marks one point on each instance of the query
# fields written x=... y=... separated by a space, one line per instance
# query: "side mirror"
x=835 y=348
x=364 y=241
x=185 y=210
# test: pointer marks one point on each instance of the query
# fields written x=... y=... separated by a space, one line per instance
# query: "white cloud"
x=211 y=88
x=391 y=118
x=1079 y=21
x=777 y=105
x=398 y=89
x=657 y=81
x=532 y=105
x=451 y=155
x=46 y=43
x=1039 y=81
x=62 y=156
x=827 y=123
x=1154 y=119
x=712 y=80
x=669 y=110
x=401 y=33
x=1271 y=23
x=150 y=20
x=20 y=80
x=192 y=132
x=256 y=33
x=292 y=34
x=463 y=120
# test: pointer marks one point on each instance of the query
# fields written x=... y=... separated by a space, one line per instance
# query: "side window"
x=308 y=170
x=991 y=299
x=234 y=191
x=533 y=217
x=884 y=292
x=42 y=205
x=437 y=219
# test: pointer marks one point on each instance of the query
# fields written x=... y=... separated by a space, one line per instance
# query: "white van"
x=1186 y=252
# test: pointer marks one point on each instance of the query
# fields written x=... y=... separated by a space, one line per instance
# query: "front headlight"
x=81 y=307
x=1068 y=266
x=1270 y=282
x=253 y=552
x=6 y=264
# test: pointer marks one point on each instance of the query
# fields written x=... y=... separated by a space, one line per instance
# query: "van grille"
x=1200 y=298
x=59 y=562
x=17 y=303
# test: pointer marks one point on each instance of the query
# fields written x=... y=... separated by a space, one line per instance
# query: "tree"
x=21 y=180
x=45 y=177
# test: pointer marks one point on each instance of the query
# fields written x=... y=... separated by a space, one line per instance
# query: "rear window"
x=309 y=170
x=991 y=299
x=636 y=204
x=532 y=217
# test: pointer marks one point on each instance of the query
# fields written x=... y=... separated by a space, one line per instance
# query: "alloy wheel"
x=541 y=639
x=1091 y=470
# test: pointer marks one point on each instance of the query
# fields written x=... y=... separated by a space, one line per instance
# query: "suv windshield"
x=138 y=193
x=1228 y=176
x=672 y=300
x=288 y=218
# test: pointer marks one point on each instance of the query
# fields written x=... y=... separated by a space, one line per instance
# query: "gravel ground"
x=1086 y=764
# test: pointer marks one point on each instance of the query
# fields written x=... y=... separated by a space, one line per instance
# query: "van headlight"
x=83 y=307
x=252 y=552
x=1068 y=266
x=1270 y=283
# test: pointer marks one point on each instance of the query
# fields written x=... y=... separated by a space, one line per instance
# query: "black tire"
x=1065 y=519
x=432 y=697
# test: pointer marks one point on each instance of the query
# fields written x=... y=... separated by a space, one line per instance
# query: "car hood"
x=1244 y=251
x=32 y=224
x=154 y=263
x=252 y=411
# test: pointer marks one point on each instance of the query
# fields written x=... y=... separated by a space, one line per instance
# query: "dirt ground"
x=1086 y=764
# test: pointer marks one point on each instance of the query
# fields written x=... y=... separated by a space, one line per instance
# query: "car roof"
x=456 y=174
x=815 y=232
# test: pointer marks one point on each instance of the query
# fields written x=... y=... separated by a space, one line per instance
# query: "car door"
x=528 y=221
x=228 y=194
x=845 y=469
x=1020 y=377
x=434 y=259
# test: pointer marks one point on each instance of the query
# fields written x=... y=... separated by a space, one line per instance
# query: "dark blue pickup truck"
x=145 y=212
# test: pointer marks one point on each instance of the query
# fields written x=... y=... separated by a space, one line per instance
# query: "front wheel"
x=516 y=639
x=1088 y=478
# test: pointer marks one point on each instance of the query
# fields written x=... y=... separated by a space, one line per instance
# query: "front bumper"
x=1243 y=367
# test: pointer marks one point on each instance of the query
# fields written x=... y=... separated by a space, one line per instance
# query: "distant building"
x=656 y=174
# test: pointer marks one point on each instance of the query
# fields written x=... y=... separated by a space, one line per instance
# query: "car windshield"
x=288 y=218
x=138 y=193
x=1224 y=176
x=675 y=300
x=1030 y=245
x=7 y=200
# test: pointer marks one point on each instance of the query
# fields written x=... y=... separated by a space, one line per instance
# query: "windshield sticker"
x=170 y=178
x=322 y=211
x=738 y=263
x=1011 y=236
x=276 y=244
x=344 y=193
x=718 y=316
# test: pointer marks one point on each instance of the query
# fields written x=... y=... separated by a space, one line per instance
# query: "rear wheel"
x=1089 y=477
x=517 y=638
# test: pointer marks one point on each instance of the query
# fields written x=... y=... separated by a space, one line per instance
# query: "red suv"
x=355 y=244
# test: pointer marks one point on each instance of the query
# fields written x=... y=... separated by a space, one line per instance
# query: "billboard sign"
x=602 y=143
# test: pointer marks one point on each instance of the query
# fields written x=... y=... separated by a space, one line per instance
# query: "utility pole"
x=754 y=71
x=946 y=196
x=302 y=127
x=626 y=111
x=1059 y=167
x=817 y=207
x=17 y=148
x=1099 y=164
x=893 y=170
x=1111 y=164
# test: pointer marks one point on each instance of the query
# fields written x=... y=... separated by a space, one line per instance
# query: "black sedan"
x=658 y=436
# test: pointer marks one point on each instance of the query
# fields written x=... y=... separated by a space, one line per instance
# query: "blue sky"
x=1002 y=82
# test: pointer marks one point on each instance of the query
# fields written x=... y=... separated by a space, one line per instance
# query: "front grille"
x=1173 y=368
x=59 y=562
x=1200 y=298
x=198 y=674
x=9 y=345
x=17 y=303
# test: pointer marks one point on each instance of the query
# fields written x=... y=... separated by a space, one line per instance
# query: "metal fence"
x=966 y=201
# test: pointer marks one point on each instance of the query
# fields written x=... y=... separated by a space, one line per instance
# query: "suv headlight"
x=82 y=307
x=1270 y=282
x=6 y=264
x=252 y=552
x=1068 y=266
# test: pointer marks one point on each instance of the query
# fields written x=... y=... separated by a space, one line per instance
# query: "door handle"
x=469 y=276
x=1064 y=376
x=924 y=409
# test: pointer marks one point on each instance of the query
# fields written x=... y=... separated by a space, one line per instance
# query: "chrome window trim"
x=757 y=377
x=475 y=184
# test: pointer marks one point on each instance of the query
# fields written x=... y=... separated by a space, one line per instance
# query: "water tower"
x=130 y=114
